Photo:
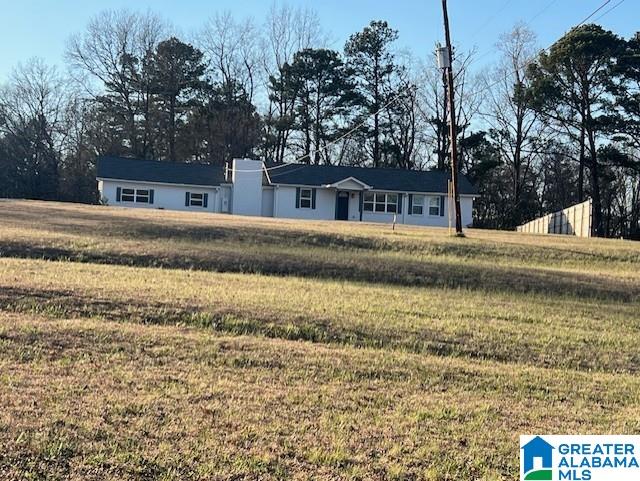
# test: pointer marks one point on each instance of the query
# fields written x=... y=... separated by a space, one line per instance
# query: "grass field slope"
x=180 y=346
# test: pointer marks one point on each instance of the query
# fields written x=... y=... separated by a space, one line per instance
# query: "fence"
x=574 y=220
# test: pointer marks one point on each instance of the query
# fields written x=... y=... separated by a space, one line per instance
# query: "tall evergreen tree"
x=318 y=84
x=369 y=55
x=570 y=85
x=177 y=70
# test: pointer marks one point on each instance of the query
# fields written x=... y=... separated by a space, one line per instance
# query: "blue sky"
x=40 y=28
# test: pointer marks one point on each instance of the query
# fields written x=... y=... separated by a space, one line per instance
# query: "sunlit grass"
x=161 y=345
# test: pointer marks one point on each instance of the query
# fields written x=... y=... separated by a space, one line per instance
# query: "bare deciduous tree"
x=32 y=114
x=514 y=123
x=234 y=53
x=287 y=31
x=114 y=51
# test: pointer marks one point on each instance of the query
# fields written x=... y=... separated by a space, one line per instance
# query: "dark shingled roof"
x=399 y=180
x=380 y=179
x=156 y=171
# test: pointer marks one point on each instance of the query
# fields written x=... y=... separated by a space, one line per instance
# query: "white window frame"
x=133 y=195
x=415 y=204
x=380 y=203
x=434 y=202
x=195 y=202
x=128 y=192
x=143 y=196
x=306 y=199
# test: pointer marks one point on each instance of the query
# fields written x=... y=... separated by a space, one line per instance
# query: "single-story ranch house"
x=297 y=191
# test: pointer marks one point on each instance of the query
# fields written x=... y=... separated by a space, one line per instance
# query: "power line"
x=415 y=87
x=491 y=19
x=610 y=10
x=528 y=22
x=541 y=12
x=594 y=12
x=343 y=136
x=532 y=59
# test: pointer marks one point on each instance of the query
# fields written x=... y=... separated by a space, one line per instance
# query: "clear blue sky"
x=41 y=27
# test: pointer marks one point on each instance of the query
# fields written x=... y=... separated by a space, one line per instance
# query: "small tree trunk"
x=172 y=129
x=595 y=183
x=581 y=167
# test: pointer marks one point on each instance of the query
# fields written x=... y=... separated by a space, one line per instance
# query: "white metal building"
x=296 y=191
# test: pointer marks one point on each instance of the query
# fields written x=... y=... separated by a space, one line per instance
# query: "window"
x=392 y=203
x=139 y=196
x=381 y=203
x=434 y=205
x=196 y=200
x=417 y=206
x=368 y=202
x=142 y=196
x=128 y=195
x=305 y=198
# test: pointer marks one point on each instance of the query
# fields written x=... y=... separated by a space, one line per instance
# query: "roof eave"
x=114 y=179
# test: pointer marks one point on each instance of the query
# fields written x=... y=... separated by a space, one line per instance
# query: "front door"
x=342 y=207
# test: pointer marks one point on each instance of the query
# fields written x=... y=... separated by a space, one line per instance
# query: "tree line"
x=538 y=131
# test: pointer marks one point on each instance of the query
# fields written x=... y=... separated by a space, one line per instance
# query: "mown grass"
x=158 y=345
x=93 y=399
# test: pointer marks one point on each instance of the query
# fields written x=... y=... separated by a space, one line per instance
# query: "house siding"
x=250 y=192
x=285 y=204
x=354 y=206
x=466 y=209
x=165 y=196
x=267 y=201
x=247 y=187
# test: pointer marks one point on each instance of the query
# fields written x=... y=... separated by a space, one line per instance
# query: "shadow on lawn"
x=106 y=226
x=54 y=303
x=358 y=268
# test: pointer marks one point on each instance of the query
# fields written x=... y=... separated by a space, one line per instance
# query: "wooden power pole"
x=452 y=120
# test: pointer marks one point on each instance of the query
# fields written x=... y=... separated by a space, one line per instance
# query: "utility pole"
x=448 y=67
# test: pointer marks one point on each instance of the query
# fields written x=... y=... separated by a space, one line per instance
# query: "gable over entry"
x=350 y=183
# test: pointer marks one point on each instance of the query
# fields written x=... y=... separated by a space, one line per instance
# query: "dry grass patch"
x=161 y=345
x=537 y=330
x=96 y=400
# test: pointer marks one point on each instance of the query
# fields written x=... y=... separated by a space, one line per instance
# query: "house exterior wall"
x=354 y=206
x=285 y=204
x=466 y=208
x=224 y=199
x=171 y=197
x=247 y=187
x=267 y=202
x=246 y=195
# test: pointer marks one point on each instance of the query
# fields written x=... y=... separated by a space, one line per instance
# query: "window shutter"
x=410 y=208
x=400 y=197
x=118 y=194
x=313 y=198
x=187 y=196
x=442 y=206
x=205 y=200
x=151 y=196
x=361 y=203
x=297 y=197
